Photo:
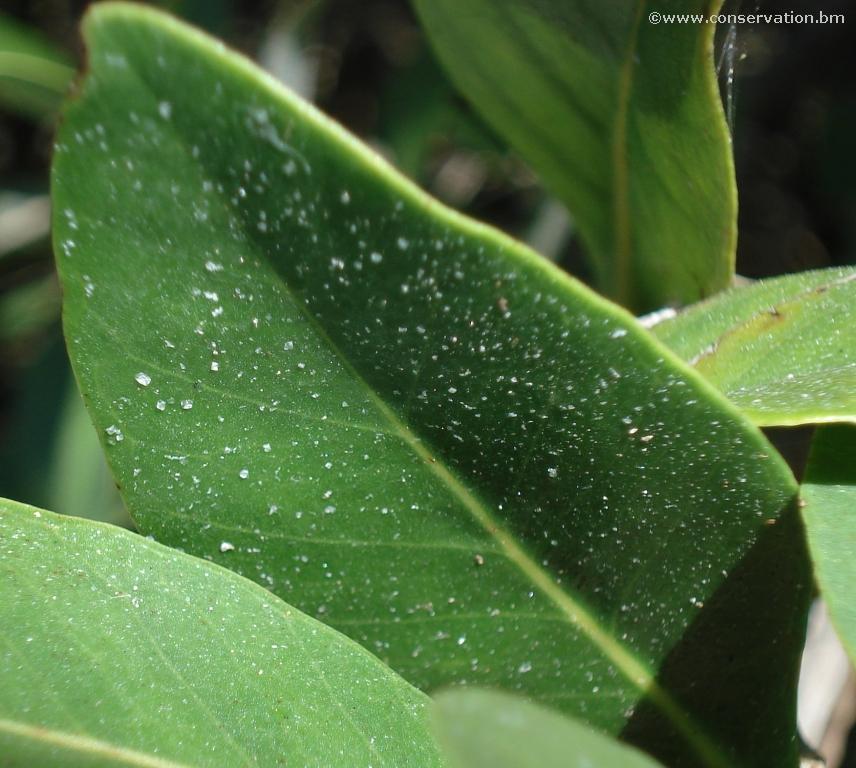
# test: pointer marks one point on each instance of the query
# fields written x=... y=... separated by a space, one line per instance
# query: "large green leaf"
x=486 y=729
x=406 y=423
x=119 y=651
x=622 y=119
x=829 y=510
x=784 y=350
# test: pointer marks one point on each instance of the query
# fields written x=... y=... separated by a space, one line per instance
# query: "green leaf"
x=622 y=119
x=34 y=75
x=829 y=511
x=405 y=423
x=119 y=651
x=783 y=350
x=486 y=729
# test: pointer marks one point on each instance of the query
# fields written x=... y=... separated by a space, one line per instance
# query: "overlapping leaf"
x=120 y=652
x=783 y=350
x=486 y=729
x=407 y=424
x=622 y=119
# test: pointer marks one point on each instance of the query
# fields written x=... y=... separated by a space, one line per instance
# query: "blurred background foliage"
x=792 y=108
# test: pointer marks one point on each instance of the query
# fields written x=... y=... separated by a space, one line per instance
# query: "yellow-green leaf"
x=783 y=350
x=622 y=119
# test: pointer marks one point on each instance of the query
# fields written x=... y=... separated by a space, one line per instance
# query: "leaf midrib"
x=712 y=349
x=85 y=745
x=632 y=668
x=695 y=315
x=568 y=605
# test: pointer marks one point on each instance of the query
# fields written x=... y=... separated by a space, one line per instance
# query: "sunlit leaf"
x=784 y=350
x=829 y=510
x=621 y=117
x=405 y=423
x=121 y=652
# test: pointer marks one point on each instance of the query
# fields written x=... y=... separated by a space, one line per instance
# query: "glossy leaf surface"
x=486 y=729
x=783 y=350
x=405 y=423
x=829 y=498
x=118 y=651
x=621 y=117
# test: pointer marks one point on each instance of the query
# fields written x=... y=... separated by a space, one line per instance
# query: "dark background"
x=794 y=118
